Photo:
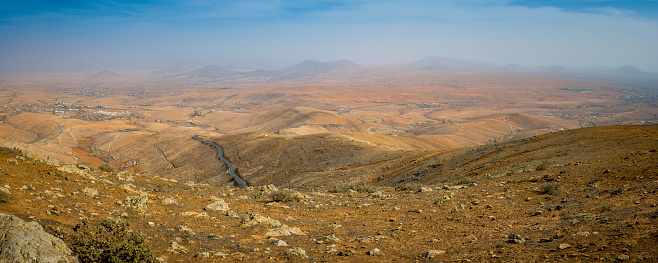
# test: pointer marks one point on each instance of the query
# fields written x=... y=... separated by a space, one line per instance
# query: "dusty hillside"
x=576 y=196
x=141 y=123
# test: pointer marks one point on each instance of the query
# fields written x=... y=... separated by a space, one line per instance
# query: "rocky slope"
x=575 y=196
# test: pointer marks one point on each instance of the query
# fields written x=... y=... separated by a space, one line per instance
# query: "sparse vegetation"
x=286 y=195
x=4 y=197
x=361 y=187
x=414 y=187
x=112 y=241
x=12 y=151
x=548 y=189
x=464 y=180
x=106 y=167
x=543 y=166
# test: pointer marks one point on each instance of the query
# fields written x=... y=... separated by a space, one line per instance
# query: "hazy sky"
x=79 y=34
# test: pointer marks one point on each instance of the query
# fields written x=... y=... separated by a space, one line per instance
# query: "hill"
x=210 y=72
x=578 y=195
x=452 y=64
x=306 y=68
x=105 y=74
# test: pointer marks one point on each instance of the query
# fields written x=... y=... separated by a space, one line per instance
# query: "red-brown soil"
x=575 y=196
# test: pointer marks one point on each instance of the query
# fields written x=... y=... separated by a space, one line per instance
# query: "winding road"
x=220 y=154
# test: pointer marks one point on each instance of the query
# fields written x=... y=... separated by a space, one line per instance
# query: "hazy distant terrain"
x=285 y=122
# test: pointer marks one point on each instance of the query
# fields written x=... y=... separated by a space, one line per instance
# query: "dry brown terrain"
x=575 y=196
x=140 y=123
x=464 y=163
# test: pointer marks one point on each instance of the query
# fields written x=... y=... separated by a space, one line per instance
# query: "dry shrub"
x=112 y=241
x=543 y=166
x=465 y=180
x=361 y=187
x=286 y=195
x=106 y=167
x=4 y=197
x=548 y=189
x=414 y=187
x=11 y=151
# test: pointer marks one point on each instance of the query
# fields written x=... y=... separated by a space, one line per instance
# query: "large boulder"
x=27 y=242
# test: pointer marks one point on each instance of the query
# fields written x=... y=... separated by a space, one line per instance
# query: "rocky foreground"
x=570 y=209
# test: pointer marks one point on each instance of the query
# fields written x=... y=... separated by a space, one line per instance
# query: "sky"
x=61 y=35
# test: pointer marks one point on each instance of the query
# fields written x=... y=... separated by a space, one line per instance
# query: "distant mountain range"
x=452 y=64
x=105 y=74
x=308 y=68
x=311 y=68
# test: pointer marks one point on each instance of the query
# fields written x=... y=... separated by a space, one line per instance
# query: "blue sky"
x=79 y=34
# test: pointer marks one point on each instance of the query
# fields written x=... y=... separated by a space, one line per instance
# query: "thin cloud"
x=532 y=33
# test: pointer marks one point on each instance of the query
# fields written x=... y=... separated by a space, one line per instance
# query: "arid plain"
x=143 y=121
x=462 y=160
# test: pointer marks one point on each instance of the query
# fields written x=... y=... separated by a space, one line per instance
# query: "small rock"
x=296 y=252
x=169 y=201
x=623 y=257
x=88 y=191
x=332 y=238
x=280 y=243
x=515 y=238
x=176 y=248
x=12 y=160
x=52 y=161
x=284 y=230
x=203 y=255
x=186 y=229
x=138 y=203
x=433 y=253
x=460 y=207
x=536 y=213
x=268 y=188
x=219 y=254
x=5 y=190
x=563 y=246
x=374 y=252
x=219 y=205
x=425 y=189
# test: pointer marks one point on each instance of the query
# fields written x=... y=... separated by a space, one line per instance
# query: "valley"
x=140 y=123
x=342 y=163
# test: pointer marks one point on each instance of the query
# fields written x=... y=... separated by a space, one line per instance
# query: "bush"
x=106 y=167
x=11 y=151
x=414 y=187
x=361 y=187
x=4 y=197
x=465 y=180
x=548 y=189
x=112 y=241
x=543 y=166
x=286 y=195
